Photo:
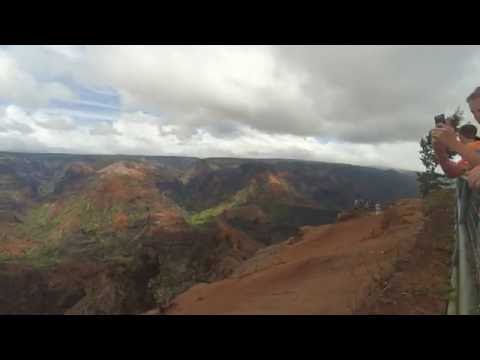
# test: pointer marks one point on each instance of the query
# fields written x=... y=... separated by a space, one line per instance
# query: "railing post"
x=465 y=283
x=463 y=279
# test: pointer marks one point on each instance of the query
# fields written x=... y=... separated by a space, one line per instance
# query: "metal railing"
x=465 y=277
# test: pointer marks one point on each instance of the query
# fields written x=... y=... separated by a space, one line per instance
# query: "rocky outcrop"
x=28 y=290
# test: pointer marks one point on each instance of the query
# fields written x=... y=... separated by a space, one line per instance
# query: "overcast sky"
x=365 y=105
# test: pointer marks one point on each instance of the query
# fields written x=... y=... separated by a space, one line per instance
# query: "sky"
x=361 y=105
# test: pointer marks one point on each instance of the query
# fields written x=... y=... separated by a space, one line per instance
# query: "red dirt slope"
x=330 y=269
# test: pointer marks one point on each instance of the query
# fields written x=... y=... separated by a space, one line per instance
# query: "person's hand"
x=438 y=147
x=444 y=135
x=473 y=178
x=464 y=166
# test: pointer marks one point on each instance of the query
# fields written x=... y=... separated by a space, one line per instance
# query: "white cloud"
x=54 y=122
x=21 y=88
x=17 y=126
x=104 y=129
x=351 y=93
x=11 y=121
x=14 y=119
x=139 y=133
x=71 y=52
x=367 y=104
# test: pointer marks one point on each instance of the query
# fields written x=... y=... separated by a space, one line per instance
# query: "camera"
x=440 y=119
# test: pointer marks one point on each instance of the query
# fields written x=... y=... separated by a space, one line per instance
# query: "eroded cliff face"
x=113 y=234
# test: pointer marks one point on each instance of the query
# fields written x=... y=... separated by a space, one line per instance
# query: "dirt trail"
x=341 y=268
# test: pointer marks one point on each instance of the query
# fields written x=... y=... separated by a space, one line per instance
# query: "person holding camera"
x=444 y=138
x=467 y=135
